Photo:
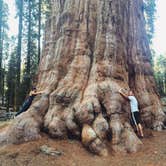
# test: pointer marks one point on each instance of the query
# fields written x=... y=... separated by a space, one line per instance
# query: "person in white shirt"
x=134 y=110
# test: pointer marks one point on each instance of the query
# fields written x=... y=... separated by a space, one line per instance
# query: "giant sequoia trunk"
x=92 y=48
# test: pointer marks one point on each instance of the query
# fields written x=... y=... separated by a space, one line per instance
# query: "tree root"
x=27 y=125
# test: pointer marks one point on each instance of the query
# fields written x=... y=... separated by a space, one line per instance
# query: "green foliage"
x=149 y=12
x=30 y=38
x=28 y=50
x=45 y=9
x=160 y=73
x=158 y=62
x=5 y=13
x=3 y=45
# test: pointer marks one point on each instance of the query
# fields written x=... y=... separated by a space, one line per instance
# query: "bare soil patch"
x=153 y=153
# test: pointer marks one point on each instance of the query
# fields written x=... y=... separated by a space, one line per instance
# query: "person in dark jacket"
x=28 y=101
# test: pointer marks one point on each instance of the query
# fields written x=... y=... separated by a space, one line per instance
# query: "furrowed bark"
x=93 y=48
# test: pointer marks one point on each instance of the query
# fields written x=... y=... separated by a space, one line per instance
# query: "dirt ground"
x=153 y=153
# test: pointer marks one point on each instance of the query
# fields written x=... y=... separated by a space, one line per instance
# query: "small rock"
x=50 y=151
x=88 y=134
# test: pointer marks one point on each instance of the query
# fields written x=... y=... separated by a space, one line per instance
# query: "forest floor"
x=72 y=153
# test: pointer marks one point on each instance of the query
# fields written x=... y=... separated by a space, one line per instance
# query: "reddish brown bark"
x=92 y=48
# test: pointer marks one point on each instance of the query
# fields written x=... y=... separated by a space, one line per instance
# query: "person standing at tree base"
x=135 y=114
x=28 y=101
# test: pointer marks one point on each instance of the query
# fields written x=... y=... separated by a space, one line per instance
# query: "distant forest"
x=20 y=55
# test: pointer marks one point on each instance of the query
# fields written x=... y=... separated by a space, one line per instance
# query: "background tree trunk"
x=39 y=29
x=29 y=44
x=1 y=46
x=92 y=49
x=19 y=47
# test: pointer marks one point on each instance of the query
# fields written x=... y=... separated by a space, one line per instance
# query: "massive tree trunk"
x=92 y=49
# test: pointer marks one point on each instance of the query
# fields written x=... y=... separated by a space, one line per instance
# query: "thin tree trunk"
x=3 y=87
x=19 y=45
x=29 y=45
x=92 y=49
x=39 y=29
x=165 y=82
x=18 y=56
x=1 y=4
x=2 y=69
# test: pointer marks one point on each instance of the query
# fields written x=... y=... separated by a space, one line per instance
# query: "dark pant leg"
x=24 y=107
x=137 y=117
